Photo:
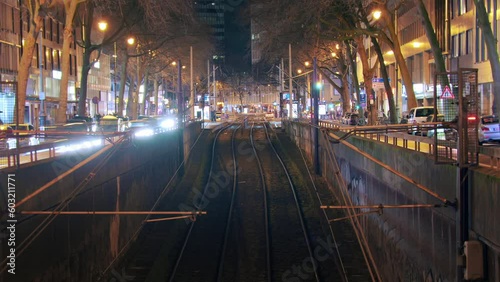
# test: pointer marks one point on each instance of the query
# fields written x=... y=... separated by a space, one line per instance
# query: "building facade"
x=211 y=12
x=45 y=71
x=461 y=41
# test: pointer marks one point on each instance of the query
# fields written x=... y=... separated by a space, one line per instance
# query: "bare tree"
x=389 y=35
x=491 y=44
x=431 y=36
x=35 y=11
x=240 y=84
x=70 y=8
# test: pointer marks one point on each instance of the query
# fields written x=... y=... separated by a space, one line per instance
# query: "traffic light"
x=318 y=85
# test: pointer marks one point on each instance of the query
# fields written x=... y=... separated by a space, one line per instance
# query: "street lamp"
x=114 y=78
x=41 y=95
x=131 y=41
x=102 y=25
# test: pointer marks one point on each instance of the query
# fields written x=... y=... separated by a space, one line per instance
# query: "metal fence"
x=456 y=102
x=8 y=98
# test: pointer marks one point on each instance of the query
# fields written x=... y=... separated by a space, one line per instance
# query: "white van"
x=418 y=115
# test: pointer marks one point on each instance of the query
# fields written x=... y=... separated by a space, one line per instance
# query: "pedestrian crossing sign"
x=447 y=94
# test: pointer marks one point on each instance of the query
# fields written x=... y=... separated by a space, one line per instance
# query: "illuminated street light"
x=174 y=63
x=131 y=41
x=307 y=64
x=417 y=44
x=377 y=14
x=299 y=71
x=103 y=25
x=319 y=85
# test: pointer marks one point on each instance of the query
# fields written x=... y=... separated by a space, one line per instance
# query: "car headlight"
x=144 y=132
x=169 y=123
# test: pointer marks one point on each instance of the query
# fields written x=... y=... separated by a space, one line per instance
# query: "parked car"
x=353 y=119
x=345 y=119
x=78 y=118
x=488 y=129
x=5 y=134
x=424 y=129
x=26 y=137
x=111 y=124
x=76 y=127
x=417 y=116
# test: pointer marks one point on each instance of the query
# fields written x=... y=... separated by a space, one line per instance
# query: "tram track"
x=199 y=257
x=263 y=220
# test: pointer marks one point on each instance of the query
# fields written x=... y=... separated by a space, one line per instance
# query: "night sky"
x=237 y=36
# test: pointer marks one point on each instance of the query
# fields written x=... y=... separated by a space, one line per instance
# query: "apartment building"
x=461 y=42
x=211 y=12
x=45 y=68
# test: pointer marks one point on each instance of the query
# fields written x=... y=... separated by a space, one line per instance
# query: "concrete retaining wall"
x=80 y=247
x=417 y=243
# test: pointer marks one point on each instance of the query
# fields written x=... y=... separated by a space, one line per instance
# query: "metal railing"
x=51 y=148
x=397 y=135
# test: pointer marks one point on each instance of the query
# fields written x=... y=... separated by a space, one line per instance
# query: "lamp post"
x=41 y=94
x=315 y=95
x=396 y=92
x=102 y=25
x=114 y=79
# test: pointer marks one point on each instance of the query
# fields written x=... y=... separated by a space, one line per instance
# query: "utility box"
x=473 y=251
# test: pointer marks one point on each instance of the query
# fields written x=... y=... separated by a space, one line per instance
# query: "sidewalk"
x=211 y=124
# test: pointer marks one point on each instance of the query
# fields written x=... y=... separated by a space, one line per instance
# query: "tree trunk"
x=82 y=101
x=407 y=81
x=135 y=94
x=145 y=96
x=123 y=81
x=355 y=81
x=130 y=100
x=86 y=65
x=24 y=73
x=156 y=91
x=346 y=96
x=70 y=9
x=24 y=65
x=388 y=89
x=484 y=24
x=431 y=36
x=367 y=76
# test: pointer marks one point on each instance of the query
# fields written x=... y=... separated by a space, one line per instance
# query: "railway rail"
x=263 y=222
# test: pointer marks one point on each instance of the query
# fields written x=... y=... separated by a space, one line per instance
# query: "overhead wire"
x=344 y=271
x=64 y=203
x=360 y=236
x=191 y=226
x=387 y=167
x=146 y=220
x=295 y=196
